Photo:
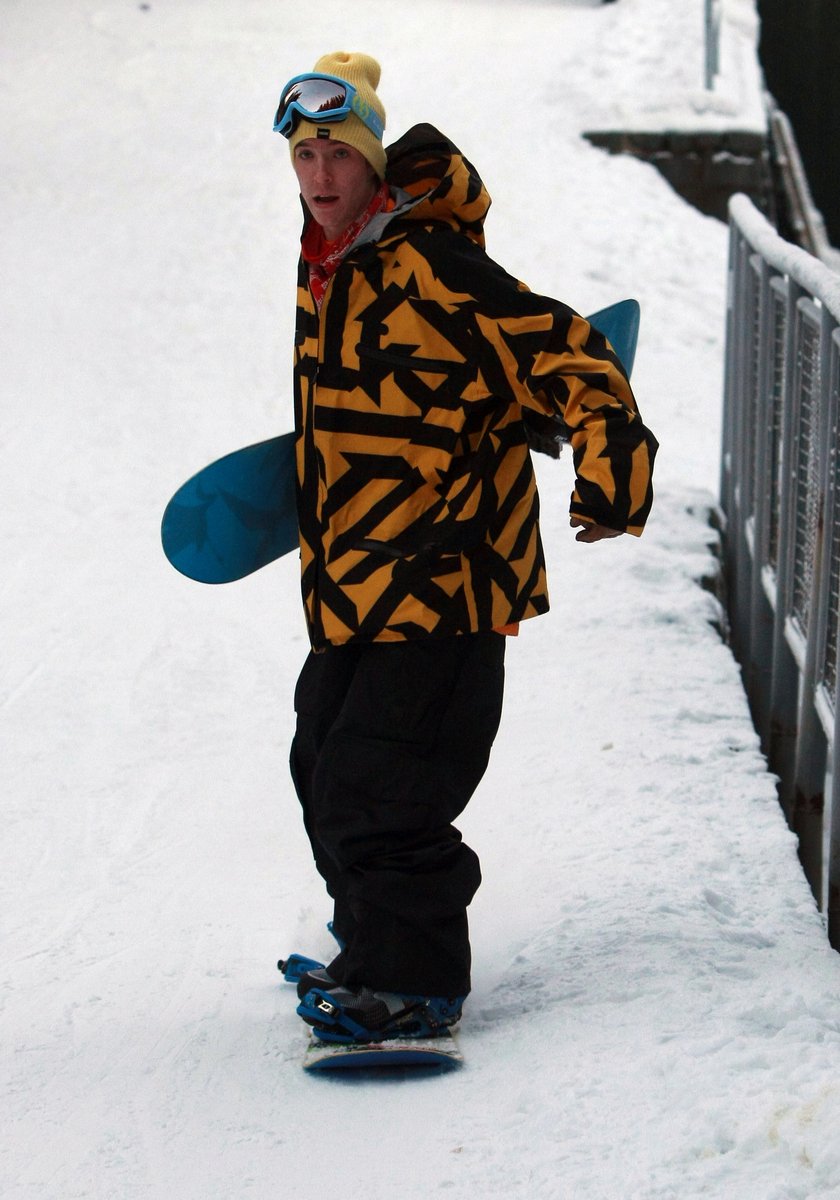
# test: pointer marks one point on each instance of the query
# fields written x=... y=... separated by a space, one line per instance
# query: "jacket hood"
x=441 y=183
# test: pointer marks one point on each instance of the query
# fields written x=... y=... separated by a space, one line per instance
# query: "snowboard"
x=438 y=1053
x=235 y=516
x=240 y=513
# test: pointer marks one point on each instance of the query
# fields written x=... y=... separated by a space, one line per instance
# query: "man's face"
x=336 y=182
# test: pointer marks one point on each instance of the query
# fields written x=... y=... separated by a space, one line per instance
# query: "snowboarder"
x=418 y=363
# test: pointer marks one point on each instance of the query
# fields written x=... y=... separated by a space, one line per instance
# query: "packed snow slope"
x=656 y=1011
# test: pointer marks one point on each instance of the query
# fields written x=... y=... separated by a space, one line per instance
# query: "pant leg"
x=319 y=697
x=398 y=764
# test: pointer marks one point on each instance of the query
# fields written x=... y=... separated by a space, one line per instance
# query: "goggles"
x=317 y=97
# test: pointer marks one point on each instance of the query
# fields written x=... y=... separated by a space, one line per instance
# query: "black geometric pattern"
x=417 y=501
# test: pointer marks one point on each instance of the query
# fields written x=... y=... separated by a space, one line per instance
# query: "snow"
x=656 y=1010
x=809 y=272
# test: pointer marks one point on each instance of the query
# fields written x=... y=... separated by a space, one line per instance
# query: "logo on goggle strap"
x=360 y=107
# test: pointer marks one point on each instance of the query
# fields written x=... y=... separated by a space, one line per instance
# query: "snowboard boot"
x=341 y=1015
x=309 y=973
x=306 y=973
x=318 y=977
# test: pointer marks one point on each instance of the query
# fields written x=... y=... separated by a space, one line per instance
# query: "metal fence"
x=780 y=496
x=711 y=39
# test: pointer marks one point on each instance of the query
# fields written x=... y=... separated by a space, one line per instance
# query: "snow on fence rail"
x=780 y=497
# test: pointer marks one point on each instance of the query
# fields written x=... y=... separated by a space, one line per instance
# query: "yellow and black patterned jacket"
x=417 y=502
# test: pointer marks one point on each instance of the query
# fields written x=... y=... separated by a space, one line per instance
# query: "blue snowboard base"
x=440 y=1052
x=236 y=515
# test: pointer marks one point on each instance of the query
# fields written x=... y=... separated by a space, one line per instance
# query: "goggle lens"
x=313 y=95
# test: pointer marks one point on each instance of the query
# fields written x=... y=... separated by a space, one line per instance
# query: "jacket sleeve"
x=544 y=356
x=576 y=374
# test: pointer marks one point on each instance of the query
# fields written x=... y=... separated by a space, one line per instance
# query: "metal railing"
x=796 y=204
x=780 y=496
x=711 y=40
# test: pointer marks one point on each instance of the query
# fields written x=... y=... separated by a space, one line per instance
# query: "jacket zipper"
x=441 y=366
x=309 y=443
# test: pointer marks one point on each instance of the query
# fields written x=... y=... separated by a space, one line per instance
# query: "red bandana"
x=324 y=257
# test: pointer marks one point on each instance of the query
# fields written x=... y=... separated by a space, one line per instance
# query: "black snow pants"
x=392 y=738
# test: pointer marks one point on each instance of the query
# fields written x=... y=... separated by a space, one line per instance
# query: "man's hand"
x=592 y=533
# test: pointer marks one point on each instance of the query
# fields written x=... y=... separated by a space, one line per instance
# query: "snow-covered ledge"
x=707 y=141
x=663 y=84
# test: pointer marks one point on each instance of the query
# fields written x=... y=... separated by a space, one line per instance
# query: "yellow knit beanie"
x=363 y=72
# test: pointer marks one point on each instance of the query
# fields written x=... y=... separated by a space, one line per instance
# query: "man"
x=418 y=364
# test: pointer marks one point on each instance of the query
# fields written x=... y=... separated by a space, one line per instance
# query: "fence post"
x=758 y=663
x=740 y=444
x=784 y=697
x=711 y=15
x=832 y=850
x=830 y=680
